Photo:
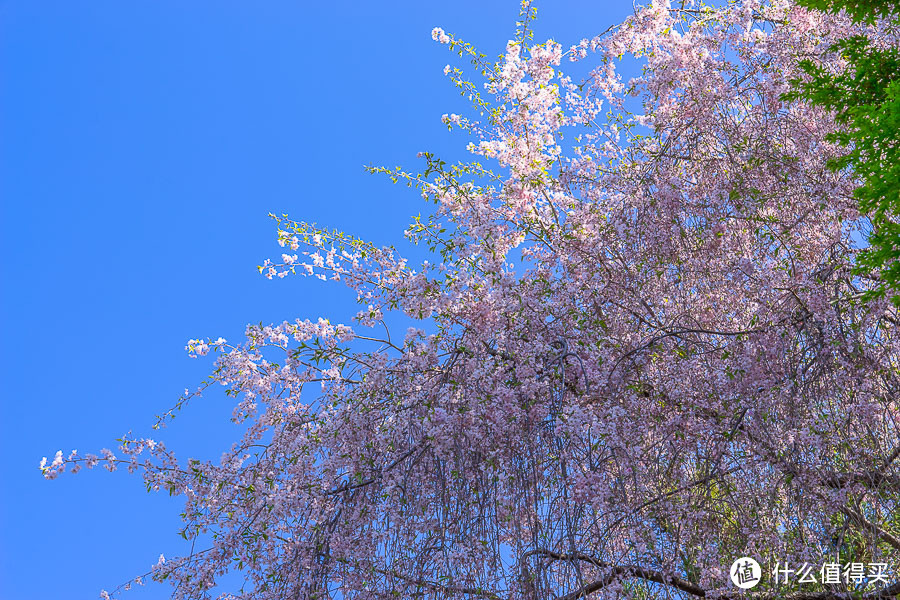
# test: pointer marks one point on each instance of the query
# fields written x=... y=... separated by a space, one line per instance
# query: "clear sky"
x=142 y=145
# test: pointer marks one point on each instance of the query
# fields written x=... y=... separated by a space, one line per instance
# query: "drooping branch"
x=615 y=572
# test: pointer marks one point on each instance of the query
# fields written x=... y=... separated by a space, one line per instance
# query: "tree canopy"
x=637 y=354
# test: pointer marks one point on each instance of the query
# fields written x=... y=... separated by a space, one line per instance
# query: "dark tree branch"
x=616 y=572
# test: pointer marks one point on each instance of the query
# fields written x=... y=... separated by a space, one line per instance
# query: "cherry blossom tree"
x=638 y=352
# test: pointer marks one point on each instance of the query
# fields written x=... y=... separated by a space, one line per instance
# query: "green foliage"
x=865 y=97
x=861 y=11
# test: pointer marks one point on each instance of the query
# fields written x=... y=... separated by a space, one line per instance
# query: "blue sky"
x=142 y=145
